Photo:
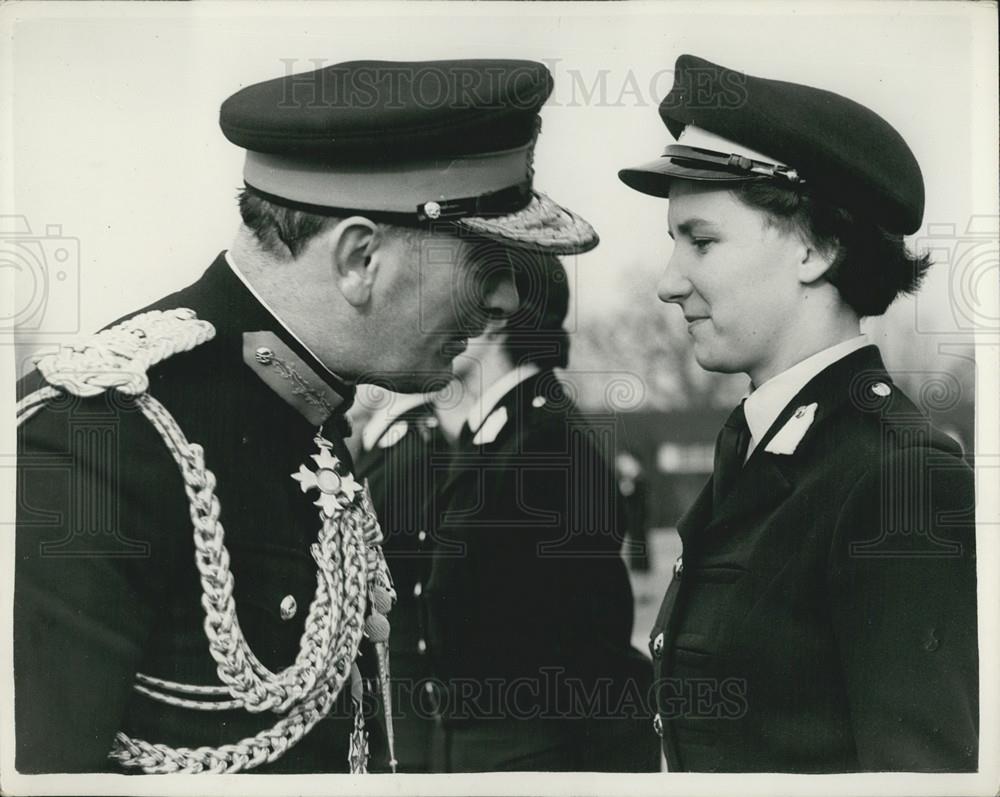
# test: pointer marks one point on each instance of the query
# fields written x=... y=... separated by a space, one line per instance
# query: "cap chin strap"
x=740 y=166
x=496 y=203
x=440 y=188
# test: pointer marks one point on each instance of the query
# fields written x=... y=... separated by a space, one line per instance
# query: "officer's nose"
x=674 y=286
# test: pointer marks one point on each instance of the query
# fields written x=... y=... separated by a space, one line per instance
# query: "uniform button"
x=429 y=688
x=421 y=646
x=422 y=536
x=881 y=389
x=658 y=726
x=264 y=355
x=658 y=645
x=679 y=567
x=538 y=402
x=432 y=422
x=288 y=607
x=417 y=589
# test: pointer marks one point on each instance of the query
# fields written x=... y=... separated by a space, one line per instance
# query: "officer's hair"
x=281 y=230
x=871 y=267
x=535 y=333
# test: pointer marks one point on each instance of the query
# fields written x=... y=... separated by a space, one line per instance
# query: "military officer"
x=404 y=457
x=197 y=565
x=529 y=603
x=822 y=617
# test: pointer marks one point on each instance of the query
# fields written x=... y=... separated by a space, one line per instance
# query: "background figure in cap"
x=404 y=456
x=827 y=587
x=148 y=636
x=529 y=602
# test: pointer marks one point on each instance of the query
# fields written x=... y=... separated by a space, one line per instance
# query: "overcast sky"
x=113 y=129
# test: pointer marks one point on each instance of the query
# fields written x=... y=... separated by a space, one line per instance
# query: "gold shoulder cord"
x=351 y=570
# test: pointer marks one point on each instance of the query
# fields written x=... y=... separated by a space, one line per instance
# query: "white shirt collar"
x=488 y=401
x=239 y=275
x=764 y=405
x=384 y=417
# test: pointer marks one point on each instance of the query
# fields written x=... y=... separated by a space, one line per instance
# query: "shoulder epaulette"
x=119 y=357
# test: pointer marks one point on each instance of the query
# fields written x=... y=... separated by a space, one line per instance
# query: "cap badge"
x=336 y=490
x=790 y=435
x=432 y=210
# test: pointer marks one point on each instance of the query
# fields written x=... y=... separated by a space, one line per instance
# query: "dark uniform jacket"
x=823 y=618
x=404 y=467
x=106 y=583
x=530 y=606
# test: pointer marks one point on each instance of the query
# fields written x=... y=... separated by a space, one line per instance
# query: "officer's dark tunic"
x=530 y=607
x=106 y=583
x=403 y=477
x=823 y=618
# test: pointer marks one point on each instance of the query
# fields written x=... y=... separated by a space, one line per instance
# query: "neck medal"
x=337 y=493
x=336 y=490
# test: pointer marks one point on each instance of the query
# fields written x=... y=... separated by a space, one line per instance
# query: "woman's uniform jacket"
x=529 y=601
x=823 y=618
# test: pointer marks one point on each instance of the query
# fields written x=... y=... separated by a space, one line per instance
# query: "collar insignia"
x=491 y=427
x=288 y=375
x=790 y=435
x=393 y=434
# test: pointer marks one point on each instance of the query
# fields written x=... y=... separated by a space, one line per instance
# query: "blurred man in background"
x=634 y=488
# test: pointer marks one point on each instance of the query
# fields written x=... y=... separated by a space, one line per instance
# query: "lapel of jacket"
x=768 y=479
x=368 y=459
x=518 y=403
x=697 y=516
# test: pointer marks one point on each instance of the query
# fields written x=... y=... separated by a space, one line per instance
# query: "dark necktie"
x=465 y=437
x=730 y=451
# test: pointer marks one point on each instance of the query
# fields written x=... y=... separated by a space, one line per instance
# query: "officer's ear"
x=351 y=244
x=815 y=261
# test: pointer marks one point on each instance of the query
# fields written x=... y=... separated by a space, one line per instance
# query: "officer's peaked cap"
x=416 y=142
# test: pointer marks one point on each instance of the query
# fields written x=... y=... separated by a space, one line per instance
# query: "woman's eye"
x=702 y=244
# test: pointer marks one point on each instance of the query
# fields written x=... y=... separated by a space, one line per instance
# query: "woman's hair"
x=535 y=332
x=871 y=267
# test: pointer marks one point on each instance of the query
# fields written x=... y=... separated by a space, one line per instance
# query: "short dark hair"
x=279 y=229
x=871 y=267
x=535 y=333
